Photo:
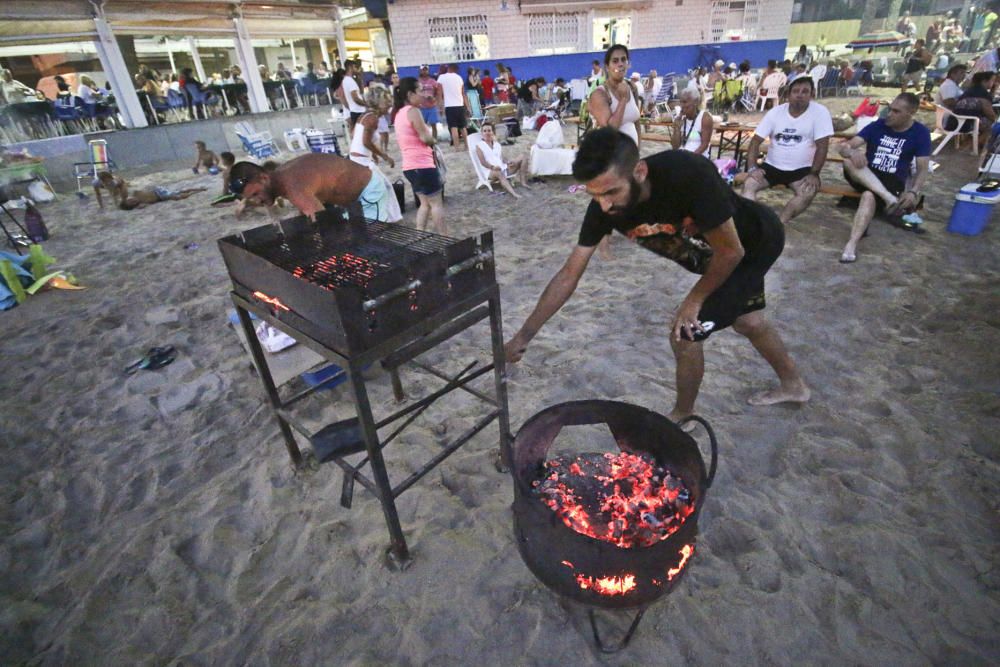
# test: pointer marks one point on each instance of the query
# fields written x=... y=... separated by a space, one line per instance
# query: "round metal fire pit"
x=561 y=557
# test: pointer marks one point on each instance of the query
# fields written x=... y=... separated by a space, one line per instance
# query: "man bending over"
x=311 y=182
x=675 y=204
x=799 y=131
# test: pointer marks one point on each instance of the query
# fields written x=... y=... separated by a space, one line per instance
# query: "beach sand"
x=155 y=518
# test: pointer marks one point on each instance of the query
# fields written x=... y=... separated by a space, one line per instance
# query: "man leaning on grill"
x=312 y=182
x=675 y=204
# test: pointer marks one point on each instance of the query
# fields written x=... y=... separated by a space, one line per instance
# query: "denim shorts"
x=430 y=116
x=425 y=182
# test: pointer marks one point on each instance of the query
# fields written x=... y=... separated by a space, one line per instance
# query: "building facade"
x=553 y=38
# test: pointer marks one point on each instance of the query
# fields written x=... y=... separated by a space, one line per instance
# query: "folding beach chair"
x=482 y=173
x=585 y=124
x=829 y=82
x=258 y=145
x=99 y=161
x=661 y=103
x=476 y=116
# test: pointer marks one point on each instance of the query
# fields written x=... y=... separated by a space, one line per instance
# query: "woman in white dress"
x=490 y=155
x=693 y=126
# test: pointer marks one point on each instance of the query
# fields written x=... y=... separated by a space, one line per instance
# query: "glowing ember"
x=625 y=499
x=686 y=552
x=607 y=585
x=336 y=270
x=260 y=296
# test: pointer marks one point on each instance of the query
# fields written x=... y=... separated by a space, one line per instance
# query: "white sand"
x=154 y=519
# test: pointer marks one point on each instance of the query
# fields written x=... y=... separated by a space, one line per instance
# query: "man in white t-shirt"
x=950 y=90
x=455 y=104
x=351 y=94
x=799 y=131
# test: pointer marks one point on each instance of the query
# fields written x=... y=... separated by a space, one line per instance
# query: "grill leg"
x=500 y=379
x=265 y=377
x=397 y=385
x=400 y=555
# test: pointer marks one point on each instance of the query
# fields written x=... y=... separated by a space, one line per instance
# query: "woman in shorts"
x=416 y=147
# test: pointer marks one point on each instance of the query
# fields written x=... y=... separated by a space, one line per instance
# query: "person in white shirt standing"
x=351 y=94
x=455 y=104
x=800 y=132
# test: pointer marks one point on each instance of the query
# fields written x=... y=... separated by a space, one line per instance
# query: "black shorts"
x=777 y=176
x=455 y=117
x=355 y=115
x=424 y=181
x=891 y=183
x=743 y=291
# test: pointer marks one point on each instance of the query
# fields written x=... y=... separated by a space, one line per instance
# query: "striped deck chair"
x=662 y=102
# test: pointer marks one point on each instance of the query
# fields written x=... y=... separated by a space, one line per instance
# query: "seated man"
x=877 y=164
x=800 y=133
x=311 y=182
x=490 y=155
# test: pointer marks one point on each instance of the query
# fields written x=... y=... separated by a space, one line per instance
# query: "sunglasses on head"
x=237 y=185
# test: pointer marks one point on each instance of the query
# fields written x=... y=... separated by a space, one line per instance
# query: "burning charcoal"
x=623 y=498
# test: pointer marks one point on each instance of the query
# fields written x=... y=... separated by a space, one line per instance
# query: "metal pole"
x=199 y=68
x=114 y=68
x=325 y=55
x=291 y=46
x=170 y=55
x=341 y=42
x=251 y=72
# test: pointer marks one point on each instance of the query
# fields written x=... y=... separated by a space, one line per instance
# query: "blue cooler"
x=972 y=210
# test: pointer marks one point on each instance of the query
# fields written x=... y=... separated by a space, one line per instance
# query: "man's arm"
x=307 y=203
x=556 y=293
x=912 y=194
x=356 y=97
x=849 y=151
x=727 y=251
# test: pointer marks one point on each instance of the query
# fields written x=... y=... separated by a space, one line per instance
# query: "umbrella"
x=886 y=38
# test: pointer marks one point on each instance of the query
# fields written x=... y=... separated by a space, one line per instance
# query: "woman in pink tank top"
x=415 y=144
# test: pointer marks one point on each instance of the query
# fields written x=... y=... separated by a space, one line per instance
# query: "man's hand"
x=813 y=180
x=514 y=349
x=908 y=201
x=686 y=320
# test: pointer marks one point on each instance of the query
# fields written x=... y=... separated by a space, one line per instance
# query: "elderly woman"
x=693 y=127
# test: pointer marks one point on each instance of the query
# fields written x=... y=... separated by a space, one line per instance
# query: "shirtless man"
x=205 y=158
x=311 y=182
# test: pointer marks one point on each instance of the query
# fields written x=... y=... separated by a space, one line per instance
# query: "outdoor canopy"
x=886 y=38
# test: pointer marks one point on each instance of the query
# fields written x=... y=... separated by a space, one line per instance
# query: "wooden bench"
x=836 y=190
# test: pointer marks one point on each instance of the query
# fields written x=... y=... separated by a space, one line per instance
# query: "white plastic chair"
x=943 y=113
x=482 y=173
x=769 y=88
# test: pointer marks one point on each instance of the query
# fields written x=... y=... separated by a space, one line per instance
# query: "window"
x=734 y=20
x=612 y=30
x=458 y=38
x=554 y=33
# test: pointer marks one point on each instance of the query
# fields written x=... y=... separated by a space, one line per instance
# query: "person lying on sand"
x=311 y=182
x=675 y=204
x=154 y=195
x=115 y=186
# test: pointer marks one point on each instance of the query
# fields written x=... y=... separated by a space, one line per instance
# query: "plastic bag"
x=40 y=191
x=272 y=339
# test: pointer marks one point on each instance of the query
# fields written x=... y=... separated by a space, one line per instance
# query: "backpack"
x=35 y=225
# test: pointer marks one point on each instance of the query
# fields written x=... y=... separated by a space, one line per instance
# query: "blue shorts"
x=164 y=194
x=424 y=181
x=375 y=199
x=430 y=116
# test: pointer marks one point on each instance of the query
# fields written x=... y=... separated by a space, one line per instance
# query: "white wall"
x=659 y=23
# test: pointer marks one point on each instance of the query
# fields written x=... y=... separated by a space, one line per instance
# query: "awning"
x=574 y=6
x=887 y=38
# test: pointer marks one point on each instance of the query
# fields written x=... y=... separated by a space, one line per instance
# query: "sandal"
x=157 y=357
x=848 y=258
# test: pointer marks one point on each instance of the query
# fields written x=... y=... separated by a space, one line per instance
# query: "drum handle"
x=711 y=439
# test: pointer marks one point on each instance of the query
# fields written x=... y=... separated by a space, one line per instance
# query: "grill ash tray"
x=338 y=439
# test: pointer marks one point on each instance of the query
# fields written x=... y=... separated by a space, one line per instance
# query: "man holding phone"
x=676 y=205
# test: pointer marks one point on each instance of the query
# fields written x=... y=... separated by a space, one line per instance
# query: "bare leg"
x=423 y=212
x=506 y=184
x=862 y=218
x=519 y=167
x=765 y=339
x=463 y=134
x=755 y=183
x=454 y=139
x=436 y=205
x=690 y=358
x=865 y=177
x=804 y=193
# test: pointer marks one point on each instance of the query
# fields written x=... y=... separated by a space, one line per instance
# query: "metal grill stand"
x=472 y=300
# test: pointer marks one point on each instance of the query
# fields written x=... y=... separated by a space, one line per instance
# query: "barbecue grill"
x=358 y=291
x=591 y=571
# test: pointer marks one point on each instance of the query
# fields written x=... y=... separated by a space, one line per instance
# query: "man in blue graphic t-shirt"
x=877 y=164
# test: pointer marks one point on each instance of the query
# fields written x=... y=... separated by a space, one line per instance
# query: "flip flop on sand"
x=157 y=357
x=848 y=258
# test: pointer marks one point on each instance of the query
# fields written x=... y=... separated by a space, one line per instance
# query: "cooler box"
x=972 y=210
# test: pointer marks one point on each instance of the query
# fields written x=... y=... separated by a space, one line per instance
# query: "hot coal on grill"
x=626 y=499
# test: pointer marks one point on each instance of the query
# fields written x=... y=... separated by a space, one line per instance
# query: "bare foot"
x=525 y=185
x=516 y=196
x=799 y=393
x=675 y=416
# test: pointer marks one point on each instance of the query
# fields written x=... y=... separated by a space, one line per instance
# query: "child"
x=228 y=160
x=206 y=158
x=115 y=185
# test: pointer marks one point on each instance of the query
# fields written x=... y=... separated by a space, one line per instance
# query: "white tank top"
x=691 y=133
x=359 y=152
x=631 y=113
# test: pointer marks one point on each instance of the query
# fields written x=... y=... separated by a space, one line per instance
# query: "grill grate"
x=343 y=255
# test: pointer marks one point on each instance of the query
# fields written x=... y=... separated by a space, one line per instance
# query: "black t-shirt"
x=685 y=185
